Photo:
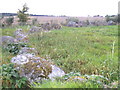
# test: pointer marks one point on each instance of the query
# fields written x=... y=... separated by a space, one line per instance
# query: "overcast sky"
x=62 y=7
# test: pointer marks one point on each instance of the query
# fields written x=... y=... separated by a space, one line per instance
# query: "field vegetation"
x=87 y=50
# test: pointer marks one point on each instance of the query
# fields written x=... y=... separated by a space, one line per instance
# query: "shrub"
x=112 y=18
x=34 y=21
x=9 y=21
x=11 y=78
x=15 y=47
x=118 y=18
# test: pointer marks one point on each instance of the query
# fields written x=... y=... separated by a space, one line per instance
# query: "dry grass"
x=44 y=19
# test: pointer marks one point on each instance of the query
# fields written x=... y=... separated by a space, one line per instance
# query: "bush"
x=11 y=78
x=9 y=21
x=15 y=47
x=112 y=18
x=118 y=18
x=34 y=21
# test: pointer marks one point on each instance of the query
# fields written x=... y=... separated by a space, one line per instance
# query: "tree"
x=22 y=15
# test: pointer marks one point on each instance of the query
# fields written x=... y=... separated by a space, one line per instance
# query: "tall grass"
x=89 y=50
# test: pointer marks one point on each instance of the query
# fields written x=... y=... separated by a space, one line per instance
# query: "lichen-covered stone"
x=50 y=26
x=35 y=29
x=21 y=36
x=32 y=67
x=23 y=39
x=27 y=50
x=19 y=33
x=56 y=72
x=21 y=59
x=5 y=40
x=35 y=68
x=56 y=26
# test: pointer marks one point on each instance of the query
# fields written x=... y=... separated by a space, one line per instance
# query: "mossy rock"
x=32 y=67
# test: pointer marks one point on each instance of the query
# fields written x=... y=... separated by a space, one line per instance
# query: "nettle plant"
x=11 y=78
x=15 y=47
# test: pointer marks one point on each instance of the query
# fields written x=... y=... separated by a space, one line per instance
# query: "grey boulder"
x=5 y=40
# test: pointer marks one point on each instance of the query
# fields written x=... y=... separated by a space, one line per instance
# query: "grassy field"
x=88 y=50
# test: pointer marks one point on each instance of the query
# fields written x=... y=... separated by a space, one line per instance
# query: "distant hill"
x=15 y=14
x=8 y=14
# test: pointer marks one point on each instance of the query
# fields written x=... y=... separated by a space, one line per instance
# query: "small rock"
x=20 y=36
x=35 y=29
x=5 y=40
x=19 y=33
x=27 y=50
x=56 y=72
x=21 y=59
